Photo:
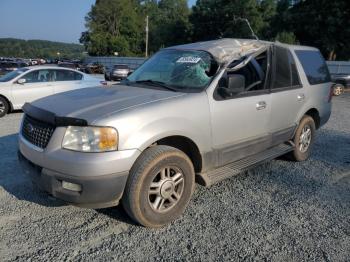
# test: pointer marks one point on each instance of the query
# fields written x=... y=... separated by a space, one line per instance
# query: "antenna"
x=235 y=18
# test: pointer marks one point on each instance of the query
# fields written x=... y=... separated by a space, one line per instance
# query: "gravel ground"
x=278 y=211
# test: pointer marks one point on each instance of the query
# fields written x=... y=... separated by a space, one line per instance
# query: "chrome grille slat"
x=37 y=132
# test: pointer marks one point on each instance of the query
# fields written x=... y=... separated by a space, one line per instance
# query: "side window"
x=254 y=76
x=315 y=67
x=286 y=73
x=37 y=76
x=67 y=75
x=78 y=76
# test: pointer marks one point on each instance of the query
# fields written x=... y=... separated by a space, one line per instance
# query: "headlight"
x=90 y=139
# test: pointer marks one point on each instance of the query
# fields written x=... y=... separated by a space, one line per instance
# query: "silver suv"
x=199 y=112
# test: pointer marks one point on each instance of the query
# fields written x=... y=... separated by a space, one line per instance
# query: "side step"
x=214 y=176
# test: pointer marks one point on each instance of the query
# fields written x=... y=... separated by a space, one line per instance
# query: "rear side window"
x=286 y=74
x=67 y=75
x=314 y=66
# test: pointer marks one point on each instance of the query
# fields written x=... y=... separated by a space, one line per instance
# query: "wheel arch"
x=314 y=113
x=184 y=144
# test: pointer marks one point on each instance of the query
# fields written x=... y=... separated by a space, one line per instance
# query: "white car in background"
x=31 y=83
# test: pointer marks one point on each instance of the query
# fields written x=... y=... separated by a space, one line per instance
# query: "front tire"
x=4 y=107
x=159 y=187
x=303 y=139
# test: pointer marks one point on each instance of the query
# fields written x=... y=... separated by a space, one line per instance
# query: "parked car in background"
x=6 y=67
x=117 y=72
x=31 y=83
x=93 y=68
x=199 y=112
x=340 y=73
x=70 y=65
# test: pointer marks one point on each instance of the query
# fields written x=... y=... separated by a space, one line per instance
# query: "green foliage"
x=119 y=26
x=221 y=18
x=324 y=24
x=113 y=26
x=10 y=47
x=286 y=38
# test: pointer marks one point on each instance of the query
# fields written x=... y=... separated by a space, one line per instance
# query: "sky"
x=55 y=20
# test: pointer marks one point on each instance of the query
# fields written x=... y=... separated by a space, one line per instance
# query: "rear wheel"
x=4 y=106
x=303 y=139
x=338 y=89
x=159 y=187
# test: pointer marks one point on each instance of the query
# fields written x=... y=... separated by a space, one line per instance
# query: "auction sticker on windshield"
x=189 y=59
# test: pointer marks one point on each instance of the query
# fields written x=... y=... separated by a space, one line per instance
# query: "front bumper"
x=97 y=192
x=101 y=176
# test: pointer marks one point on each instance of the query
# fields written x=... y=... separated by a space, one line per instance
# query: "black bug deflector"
x=51 y=118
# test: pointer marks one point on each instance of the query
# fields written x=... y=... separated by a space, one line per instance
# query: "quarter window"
x=314 y=66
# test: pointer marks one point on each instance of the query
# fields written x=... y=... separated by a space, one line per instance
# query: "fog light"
x=71 y=186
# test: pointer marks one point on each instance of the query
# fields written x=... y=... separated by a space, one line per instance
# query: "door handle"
x=261 y=105
x=301 y=97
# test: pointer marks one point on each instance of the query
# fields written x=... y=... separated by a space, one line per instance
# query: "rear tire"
x=4 y=107
x=159 y=186
x=303 y=139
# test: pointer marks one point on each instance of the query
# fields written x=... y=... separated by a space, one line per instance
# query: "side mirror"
x=21 y=81
x=235 y=84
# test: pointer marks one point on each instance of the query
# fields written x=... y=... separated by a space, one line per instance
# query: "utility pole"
x=147 y=30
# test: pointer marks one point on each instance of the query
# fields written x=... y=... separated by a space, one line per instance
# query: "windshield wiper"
x=156 y=83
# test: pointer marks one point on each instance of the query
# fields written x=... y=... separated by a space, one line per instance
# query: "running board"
x=214 y=176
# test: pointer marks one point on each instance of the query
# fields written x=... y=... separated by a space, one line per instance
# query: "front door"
x=240 y=123
x=37 y=85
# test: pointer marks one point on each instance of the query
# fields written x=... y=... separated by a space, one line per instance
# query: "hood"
x=93 y=103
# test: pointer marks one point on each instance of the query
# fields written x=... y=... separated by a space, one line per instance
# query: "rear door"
x=38 y=85
x=66 y=80
x=287 y=95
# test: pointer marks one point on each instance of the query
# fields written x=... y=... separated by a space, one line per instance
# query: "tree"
x=213 y=19
x=10 y=47
x=113 y=26
x=169 y=22
x=286 y=37
x=324 y=24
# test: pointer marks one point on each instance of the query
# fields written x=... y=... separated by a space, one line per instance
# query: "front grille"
x=37 y=132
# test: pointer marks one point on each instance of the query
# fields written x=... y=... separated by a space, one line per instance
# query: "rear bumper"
x=96 y=192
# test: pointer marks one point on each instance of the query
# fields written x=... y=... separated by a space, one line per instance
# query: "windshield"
x=179 y=69
x=12 y=75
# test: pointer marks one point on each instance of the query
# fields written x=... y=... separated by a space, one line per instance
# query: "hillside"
x=10 y=47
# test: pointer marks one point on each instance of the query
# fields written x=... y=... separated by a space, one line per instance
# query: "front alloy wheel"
x=166 y=189
x=159 y=186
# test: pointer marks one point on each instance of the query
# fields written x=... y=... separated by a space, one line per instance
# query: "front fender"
x=145 y=135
